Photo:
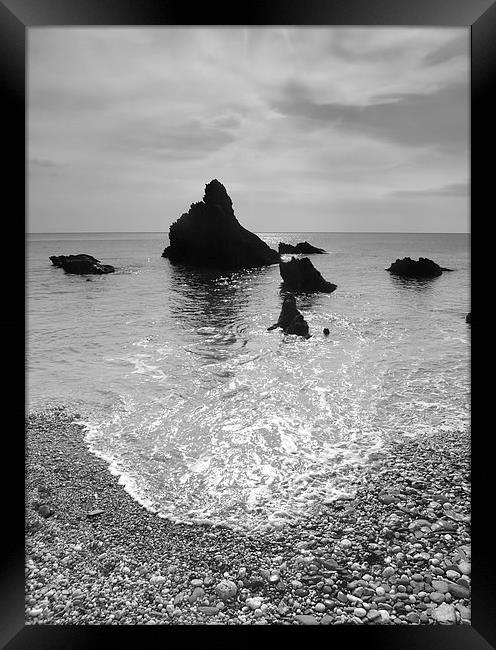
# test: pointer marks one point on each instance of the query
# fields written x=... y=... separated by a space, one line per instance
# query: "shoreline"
x=398 y=553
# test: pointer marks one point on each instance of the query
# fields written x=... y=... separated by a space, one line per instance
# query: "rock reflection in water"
x=205 y=298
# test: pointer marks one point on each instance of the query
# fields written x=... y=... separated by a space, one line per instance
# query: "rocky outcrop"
x=301 y=276
x=468 y=318
x=210 y=235
x=421 y=268
x=303 y=247
x=81 y=264
x=290 y=319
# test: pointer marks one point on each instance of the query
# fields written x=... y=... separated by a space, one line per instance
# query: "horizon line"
x=265 y=232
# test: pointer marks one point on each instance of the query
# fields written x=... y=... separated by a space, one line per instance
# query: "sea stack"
x=302 y=247
x=81 y=264
x=423 y=268
x=210 y=235
x=301 y=276
x=291 y=320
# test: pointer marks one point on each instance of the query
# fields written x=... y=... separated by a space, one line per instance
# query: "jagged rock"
x=468 y=318
x=81 y=264
x=302 y=247
x=290 y=319
x=210 y=235
x=300 y=275
x=444 y=614
x=298 y=326
x=421 y=268
x=288 y=312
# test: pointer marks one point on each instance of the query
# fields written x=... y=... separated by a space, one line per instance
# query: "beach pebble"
x=34 y=612
x=306 y=619
x=254 y=603
x=444 y=614
x=226 y=589
x=198 y=593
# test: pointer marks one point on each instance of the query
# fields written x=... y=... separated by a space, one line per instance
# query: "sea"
x=207 y=417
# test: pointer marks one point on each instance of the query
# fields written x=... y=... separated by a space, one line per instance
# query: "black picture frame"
x=16 y=17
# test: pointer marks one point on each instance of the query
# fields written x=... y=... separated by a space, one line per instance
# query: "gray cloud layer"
x=359 y=128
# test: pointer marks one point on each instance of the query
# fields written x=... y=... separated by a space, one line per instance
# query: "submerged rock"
x=468 y=318
x=210 y=235
x=81 y=264
x=302 y=247
x=290 y=319
x=421 y=268
x=300 y=275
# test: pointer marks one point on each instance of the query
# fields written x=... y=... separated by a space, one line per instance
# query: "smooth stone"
x=209 y=611
x=226 y=589
x=306 y=619
x=385 y=617
x=254 y=603
x=45 y=511
x=440 y=585
x=452 y=575
x=458 y=591
x=388 y=572
x=198 y=592
x=465 y=612
x=437 y=597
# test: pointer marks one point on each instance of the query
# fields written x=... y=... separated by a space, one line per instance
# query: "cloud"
x=455 y=47
x=453 y=189
x=438 y=119
x=293 y=120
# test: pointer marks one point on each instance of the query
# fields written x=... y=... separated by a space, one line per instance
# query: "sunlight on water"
x=207 y=416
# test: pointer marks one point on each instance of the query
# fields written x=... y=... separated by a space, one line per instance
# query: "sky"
x=310 y=129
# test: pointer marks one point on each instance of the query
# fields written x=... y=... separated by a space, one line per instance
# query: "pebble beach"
x=397 y=553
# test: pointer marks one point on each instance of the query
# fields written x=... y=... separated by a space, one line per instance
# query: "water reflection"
x=203 y=298
x=413 y=284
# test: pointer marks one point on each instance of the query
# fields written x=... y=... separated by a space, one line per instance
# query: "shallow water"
x=207 y=416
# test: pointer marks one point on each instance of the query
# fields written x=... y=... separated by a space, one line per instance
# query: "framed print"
x=247 y=386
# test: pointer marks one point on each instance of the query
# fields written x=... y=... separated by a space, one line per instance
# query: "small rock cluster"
x=398 y=553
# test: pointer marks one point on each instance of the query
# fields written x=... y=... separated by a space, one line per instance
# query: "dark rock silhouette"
x=423 y=268
x=81 y=264
x=468 y=318
x=298 y=326
x=302 y=247
x=290 y=319
x=60 y=260
x=209 y=235
x=300 y=275
x=288 y=312
x=326 y=331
